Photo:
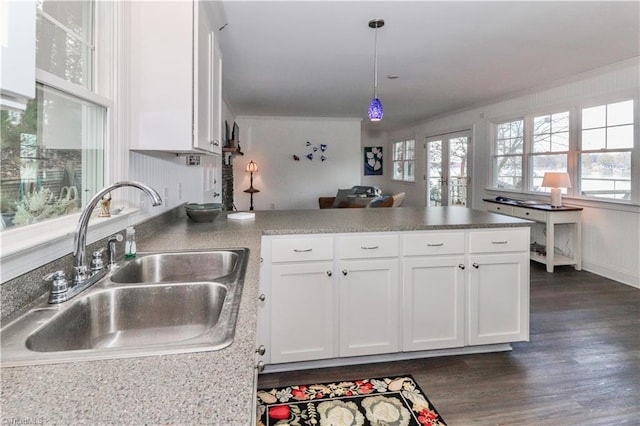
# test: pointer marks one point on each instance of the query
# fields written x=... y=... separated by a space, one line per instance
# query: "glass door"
x=447 y=169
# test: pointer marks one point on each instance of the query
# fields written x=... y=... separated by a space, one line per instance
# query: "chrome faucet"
x=83 y=276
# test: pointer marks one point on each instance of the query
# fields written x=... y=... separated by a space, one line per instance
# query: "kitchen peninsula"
x=218 y=387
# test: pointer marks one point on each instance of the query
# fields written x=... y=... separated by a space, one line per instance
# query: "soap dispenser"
x=130 y=243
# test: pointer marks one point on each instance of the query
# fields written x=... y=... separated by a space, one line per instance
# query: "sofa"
x=359 y=197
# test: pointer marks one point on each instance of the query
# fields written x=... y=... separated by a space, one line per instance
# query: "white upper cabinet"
x=175 y=69
x=18 y=53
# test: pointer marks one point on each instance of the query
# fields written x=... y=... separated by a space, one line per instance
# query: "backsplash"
x=25 y=289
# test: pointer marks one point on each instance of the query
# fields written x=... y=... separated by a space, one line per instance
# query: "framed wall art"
x=372 y=160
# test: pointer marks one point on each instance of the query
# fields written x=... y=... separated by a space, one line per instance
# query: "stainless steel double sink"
x=159 y=303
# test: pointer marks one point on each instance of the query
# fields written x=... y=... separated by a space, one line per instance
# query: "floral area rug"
x=377 y=402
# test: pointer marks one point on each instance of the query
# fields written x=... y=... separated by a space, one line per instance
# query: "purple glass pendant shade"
x=375 y=110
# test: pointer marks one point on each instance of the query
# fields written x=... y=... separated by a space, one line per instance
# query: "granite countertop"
x=208 y=387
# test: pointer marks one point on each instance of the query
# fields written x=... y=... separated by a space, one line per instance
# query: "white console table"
x=550 y=216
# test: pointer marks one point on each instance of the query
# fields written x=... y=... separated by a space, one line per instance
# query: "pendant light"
x=375 y=108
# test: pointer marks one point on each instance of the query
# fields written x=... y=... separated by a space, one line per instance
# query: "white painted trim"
x=612 y=273
x=269 y=118
x=24 y=249
x=369 y=359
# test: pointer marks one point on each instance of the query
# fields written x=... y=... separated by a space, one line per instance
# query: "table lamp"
x=555 y=181
x=251 y=169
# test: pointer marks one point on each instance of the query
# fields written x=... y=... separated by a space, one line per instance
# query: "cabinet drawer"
x=301 y=249
x=530 y=214
x=368 y=246
x=432 y=243
x=499 y=240
x=500 y=208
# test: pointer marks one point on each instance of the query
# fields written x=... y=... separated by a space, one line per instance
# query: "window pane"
x=398 y=151
x=560 y=122
x=509 y=172
x=68 y=55
x=594 y=117
x=620 y=113
x=542 y=125
x=398 y=169
x=408 y=170
x=540 y=164
x=49 y=157
x=620 y=137
x=593 y=139
x=410 y=150
x=606 y=175
x=75 y=15
x=542 y=143
x=560 y=142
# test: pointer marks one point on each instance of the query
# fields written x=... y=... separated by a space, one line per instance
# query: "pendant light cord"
x=375 y=64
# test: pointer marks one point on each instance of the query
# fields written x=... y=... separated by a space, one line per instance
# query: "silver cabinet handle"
x=369 y=248
x=215 y=142
x=435 y=245
x=302 y=250
x=329 y=273
x=261 y=350
x=475 y=265
x=461 y=266
x=345 y=272
x=260 y=366
x=500 y=242
x=262 y=297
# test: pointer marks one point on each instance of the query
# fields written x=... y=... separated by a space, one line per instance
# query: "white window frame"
x=573 y=155
x=26 y=248
x=403 y=161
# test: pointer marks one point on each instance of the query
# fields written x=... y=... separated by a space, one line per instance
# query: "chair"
x=398 y=199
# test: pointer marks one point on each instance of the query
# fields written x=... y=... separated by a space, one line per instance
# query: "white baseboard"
x=371 y=359
x=623 y=277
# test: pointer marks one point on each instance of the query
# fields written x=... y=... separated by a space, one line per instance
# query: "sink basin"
x=179 y=266
x=133 y=316
x=159 y=303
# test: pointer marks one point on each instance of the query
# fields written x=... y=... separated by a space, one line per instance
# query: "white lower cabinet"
x=368 y=307
x=498 y=298
x=302 y=312
x=433 y=303
x=369 y=294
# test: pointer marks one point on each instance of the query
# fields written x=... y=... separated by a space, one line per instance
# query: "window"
x=404 y=159
x=509 y=150
x=550 y=147
x=593 y=144
x=607 y=141
x=53 y=152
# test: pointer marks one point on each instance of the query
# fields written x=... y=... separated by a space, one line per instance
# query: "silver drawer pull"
x=435 y=245
x=302 y=251
x=500 y=242
x=369 y=248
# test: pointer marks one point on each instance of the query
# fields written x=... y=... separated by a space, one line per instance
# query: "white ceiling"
x=315 y=58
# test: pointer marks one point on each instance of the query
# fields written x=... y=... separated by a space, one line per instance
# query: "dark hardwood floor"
x=580 y=367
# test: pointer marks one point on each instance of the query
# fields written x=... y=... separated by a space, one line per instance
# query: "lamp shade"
x=252 y=167
x=375 y=110
x=556 y=180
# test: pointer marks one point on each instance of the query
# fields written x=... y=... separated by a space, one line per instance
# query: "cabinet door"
x=433 y=309
x=18 y=53
x=302 y=312
x=498 y=294
x=206 y=93
x=368 y=307
x=161 y=72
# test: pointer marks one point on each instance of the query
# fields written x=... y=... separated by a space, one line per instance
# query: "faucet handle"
x=59 y=284
x=97 y=263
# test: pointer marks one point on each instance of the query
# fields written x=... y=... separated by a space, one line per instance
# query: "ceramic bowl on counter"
x=206 y=212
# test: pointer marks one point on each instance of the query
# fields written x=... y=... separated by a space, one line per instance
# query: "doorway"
x=448 y=169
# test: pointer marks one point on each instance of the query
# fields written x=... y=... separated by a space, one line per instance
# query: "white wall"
x=611 y=232
x=285 y=183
